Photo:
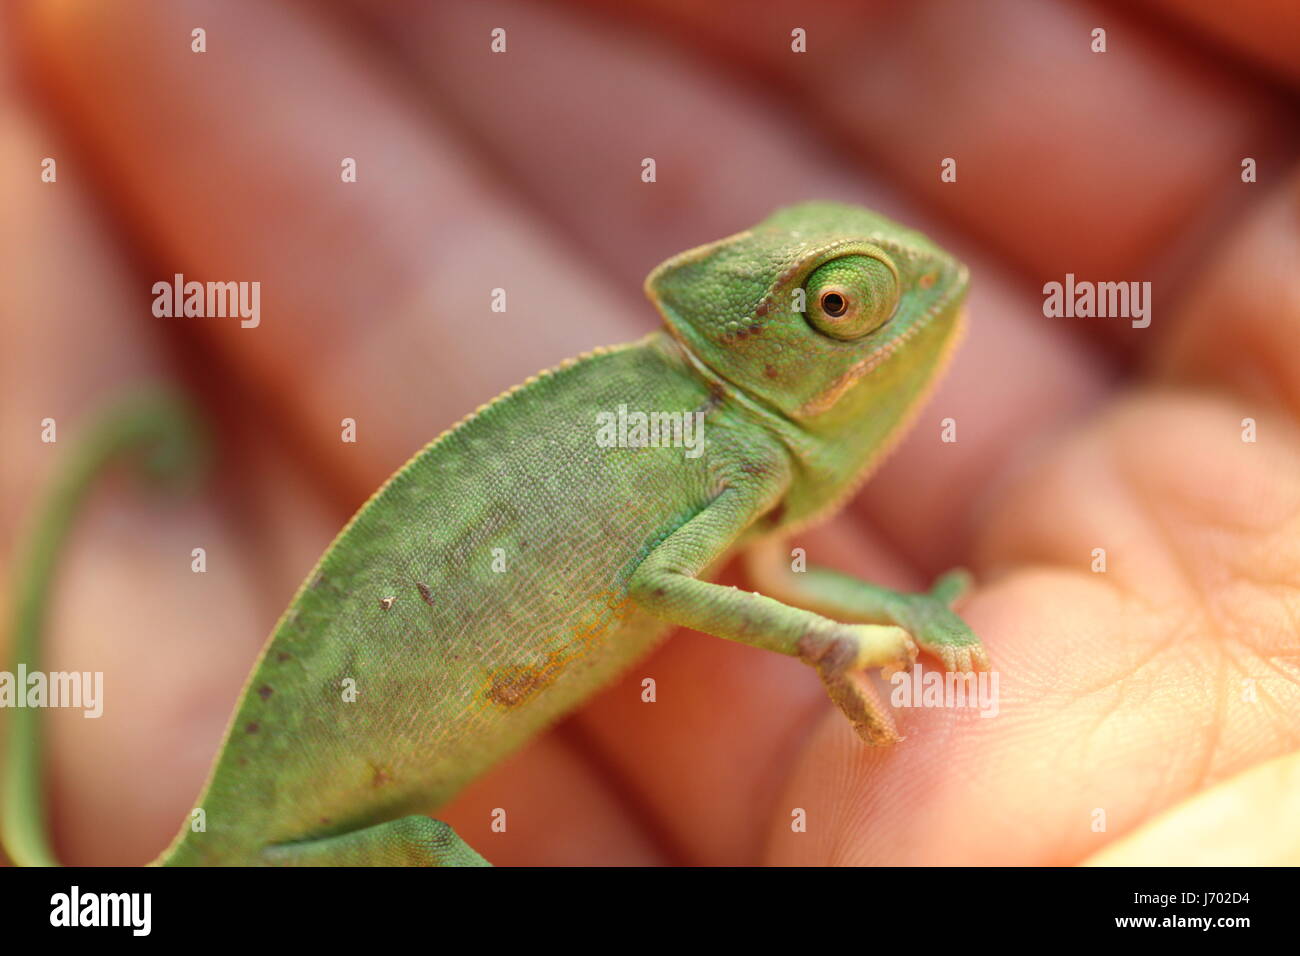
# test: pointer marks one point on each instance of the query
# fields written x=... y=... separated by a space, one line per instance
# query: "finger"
x=550 y=806
x=229 y=162
x=1143 y=623
x=1262 y=31
x=1247 y=820
x=1240 y=326
x=1140 y=622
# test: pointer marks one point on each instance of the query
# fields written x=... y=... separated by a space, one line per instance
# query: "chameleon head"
x=813 y=301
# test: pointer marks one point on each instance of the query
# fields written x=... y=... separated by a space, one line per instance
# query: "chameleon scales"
x=472 y=605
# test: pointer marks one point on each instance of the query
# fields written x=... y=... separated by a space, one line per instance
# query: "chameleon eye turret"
x=851 y=296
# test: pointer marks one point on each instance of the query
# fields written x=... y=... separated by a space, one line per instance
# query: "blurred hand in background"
x=1148 y=712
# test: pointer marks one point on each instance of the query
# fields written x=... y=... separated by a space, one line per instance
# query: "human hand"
x=1121 y=691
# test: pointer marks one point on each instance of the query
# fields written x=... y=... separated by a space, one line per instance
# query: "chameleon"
x=533 y=552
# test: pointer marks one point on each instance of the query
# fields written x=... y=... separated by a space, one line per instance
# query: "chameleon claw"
x=853 y=694
x=970 y=660
x=889 y=670
x=966 y=660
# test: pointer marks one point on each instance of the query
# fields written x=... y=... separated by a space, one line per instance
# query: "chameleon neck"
x=836 y=451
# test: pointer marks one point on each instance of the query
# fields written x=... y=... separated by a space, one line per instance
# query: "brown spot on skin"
x=386 y=602
x=770 y=371
x=515 y=684
x=325 y=821
x=511 y=686
x=282 y=656
x=518 y=683
x=927 y=280
x=252 y=728
x=381 y=777
x=426 y=595
x=763 y=308
x=829 y=656
x=777 y=513
x=264 y=692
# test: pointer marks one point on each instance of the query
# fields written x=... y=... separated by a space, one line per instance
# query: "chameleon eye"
x=851 y=296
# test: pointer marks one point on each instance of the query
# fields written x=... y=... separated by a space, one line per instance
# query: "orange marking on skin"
x=518 y=683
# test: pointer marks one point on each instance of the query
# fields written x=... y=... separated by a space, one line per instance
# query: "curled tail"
x=161 y=432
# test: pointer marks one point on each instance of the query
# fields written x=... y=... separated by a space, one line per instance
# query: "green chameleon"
x=519 y=562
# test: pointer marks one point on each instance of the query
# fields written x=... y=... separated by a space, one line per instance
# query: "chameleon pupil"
x=834 y=304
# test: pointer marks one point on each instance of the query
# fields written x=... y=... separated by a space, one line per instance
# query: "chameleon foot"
x=407 y=841
x=843 y=662
x=853 y=694
x=934 y=625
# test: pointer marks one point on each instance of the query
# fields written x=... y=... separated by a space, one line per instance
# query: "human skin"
x=1120 y=691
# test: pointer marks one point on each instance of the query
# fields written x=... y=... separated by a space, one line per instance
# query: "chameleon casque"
x=473 y=605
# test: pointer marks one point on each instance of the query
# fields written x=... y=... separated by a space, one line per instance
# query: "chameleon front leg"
x=928 y=616
x=666 y=583
x=407 y=841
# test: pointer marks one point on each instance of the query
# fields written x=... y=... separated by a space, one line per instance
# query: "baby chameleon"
x=520 y=562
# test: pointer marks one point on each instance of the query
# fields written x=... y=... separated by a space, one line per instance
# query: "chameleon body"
x=469 y=604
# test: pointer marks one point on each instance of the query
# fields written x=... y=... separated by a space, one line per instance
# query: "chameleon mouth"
x=891 y=441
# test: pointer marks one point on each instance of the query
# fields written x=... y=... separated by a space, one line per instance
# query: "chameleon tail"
x=161 y=431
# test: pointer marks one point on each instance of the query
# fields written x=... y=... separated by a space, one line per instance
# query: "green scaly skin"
x=515 y=566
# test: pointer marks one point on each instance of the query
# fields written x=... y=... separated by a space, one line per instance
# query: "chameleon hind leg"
x=407 y=841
